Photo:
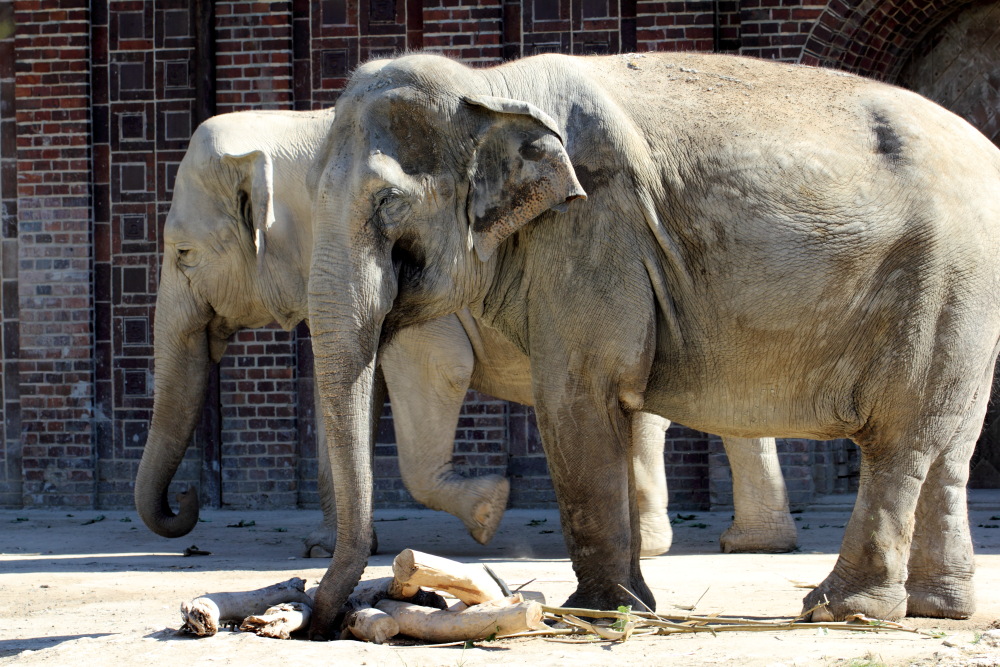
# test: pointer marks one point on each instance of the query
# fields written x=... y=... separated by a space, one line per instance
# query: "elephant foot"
x=948 y=597
x=608 y=596
x=655 y=533
x=771 y=537
x=887 y=603
x=322 y=540
x=489 y=500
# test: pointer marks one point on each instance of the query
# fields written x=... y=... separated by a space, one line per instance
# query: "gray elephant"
x=752 y=248
x=238 y=240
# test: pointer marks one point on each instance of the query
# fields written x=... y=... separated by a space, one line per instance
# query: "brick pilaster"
x=10 y=395
x=55 y=238
x=777 y=29
x=253 y=43
x=674 y=26
x=469 y=31
x=254 y=70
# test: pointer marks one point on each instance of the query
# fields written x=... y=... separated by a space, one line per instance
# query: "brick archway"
x=873 y=37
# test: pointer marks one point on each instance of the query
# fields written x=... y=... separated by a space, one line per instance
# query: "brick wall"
x=873 y=38
x=52 y=89
x=777 y=29
x=143 y=65
x=97 y=101
x=472 y=31
x=258 y=399
x=10 y=399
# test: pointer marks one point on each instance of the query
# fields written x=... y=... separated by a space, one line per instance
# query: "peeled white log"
x=367 y=593
x=494 y=618
x=372 y=625
x=204 y=615
x=279 y=621
x=469 y=583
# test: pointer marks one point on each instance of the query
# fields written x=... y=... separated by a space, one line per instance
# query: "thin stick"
x=646 y=605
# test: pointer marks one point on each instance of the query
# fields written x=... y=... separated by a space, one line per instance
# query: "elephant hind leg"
x=941 y=565
x=925 y=462
x=870 y=572
x=648 y=436
x=762 y=522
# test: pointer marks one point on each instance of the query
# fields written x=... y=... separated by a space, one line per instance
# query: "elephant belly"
x=785 y=390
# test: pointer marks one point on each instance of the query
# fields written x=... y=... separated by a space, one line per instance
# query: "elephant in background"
x=238 y=241
x=752 y=248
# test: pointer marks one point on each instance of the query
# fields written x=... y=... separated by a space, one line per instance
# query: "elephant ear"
x=257 y=182
x=519 y=171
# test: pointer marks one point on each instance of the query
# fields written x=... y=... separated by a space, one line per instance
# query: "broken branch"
x=279 y=621
x=204 y=615
x=372 y=625
x=471 y=585
x=495 y=618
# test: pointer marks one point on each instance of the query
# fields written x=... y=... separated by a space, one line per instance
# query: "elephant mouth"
x=408 y=266
x=408 y=263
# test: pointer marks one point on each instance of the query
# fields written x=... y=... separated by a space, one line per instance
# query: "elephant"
x=225 y=269
x=751 y=248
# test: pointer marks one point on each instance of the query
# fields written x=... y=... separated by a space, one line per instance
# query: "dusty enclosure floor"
x=97 y=588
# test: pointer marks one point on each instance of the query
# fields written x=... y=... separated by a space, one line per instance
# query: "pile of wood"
x=411 y=604
x=408 y=603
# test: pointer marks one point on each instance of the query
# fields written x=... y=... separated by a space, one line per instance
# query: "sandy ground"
x=96 y=587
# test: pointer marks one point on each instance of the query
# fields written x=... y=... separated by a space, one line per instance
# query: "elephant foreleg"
x=761 y=520
x=320 y=542
x=428 y=369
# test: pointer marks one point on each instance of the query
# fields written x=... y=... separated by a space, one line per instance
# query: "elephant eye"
x=390 y=205
x=384 y=197
x=185 y=255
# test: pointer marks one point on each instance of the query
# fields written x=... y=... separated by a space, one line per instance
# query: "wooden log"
x=494 y=618
x=279 y=621
x=470 y=584
x=204 y=615
x=372 y=625
x=368 y=593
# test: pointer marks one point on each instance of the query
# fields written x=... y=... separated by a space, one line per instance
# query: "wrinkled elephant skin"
x=753 y=249
x=238 y=241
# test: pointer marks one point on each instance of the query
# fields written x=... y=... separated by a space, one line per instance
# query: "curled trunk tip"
x=165 y=523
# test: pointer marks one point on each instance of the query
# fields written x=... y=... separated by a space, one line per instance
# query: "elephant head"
x=236 y=255
x=429 y=172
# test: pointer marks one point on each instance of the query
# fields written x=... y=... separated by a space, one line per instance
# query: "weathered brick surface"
x=10 y=398
x=470 y=31
x=253 y=55
x=873 y=38
x=97 y=102
x=259 y=428
x=143 y=83
x=777 y=29
x=52 y=144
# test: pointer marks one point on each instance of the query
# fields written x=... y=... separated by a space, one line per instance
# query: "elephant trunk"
x=350 y=293
x=182 y=365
